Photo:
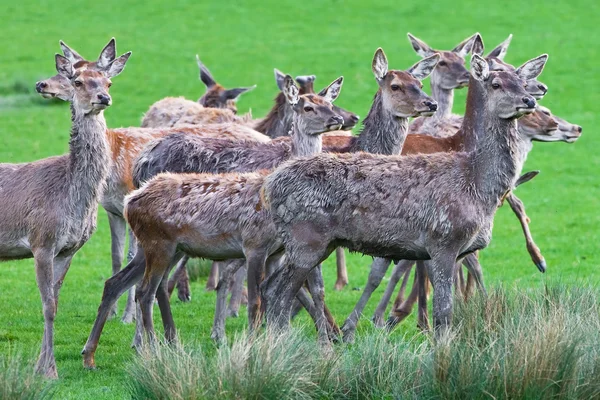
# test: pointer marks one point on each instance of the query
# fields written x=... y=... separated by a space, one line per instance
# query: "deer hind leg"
x=213 y=278
x=181 y=280
x=378 y=270
x=471 y=261
x=61 y=267
x=237 y=291
x=129 y=313
x=534 y=251
x=162 y=296
x=114 y=287
x=404 y=308
x=402 y=268
x=342 y=271
x=423 y=289
x=118 y=228
x=227 y=269
x=44 y=274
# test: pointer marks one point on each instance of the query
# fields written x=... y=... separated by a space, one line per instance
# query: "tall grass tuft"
x=18 y=381
x=512 y=344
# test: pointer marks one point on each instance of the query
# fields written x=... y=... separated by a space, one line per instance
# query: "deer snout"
x=529 y=101
x=40 y=86
x=104 y=99
x=335 y=120
x=543 y=88
x=578 y=128
x=431 y=104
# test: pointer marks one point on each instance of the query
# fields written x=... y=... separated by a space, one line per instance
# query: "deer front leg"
x=213 y=277
x=342 y=271
x=378 y=269
x=423 y=288
x=316 y=287
x=44 y=274
x=131 y=308
x=237 y=289
x=534 y=251
x=118 y=229
x=471 y=261
x=181 y=280
x=402 y=268
x=441 y=274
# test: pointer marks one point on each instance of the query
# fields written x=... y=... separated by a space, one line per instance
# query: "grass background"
x=241 y=42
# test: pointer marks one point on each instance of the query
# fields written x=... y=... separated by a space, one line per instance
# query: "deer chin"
x=572 y=138
x=47 y=95
x=525 y=110
x=336 y=127
x=426 y=113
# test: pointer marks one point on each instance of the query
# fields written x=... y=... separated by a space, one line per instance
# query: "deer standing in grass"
x=439 y=206
x=49 y=206
x=223 y=221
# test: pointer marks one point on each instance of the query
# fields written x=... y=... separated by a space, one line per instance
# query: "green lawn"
x=241 y=43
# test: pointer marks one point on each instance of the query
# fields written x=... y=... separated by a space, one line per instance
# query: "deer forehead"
x=92 y=78
x=316 y=100
x=451 y=57
x=508 y=79
x=402 y=78
x=495 y=64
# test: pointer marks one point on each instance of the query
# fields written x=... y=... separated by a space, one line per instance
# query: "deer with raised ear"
x=49 y=206
x=436 y=207
x=223 y=220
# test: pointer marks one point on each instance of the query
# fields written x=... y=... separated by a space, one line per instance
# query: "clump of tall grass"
x=19 y=381
x=511 y=344
x=198 y=268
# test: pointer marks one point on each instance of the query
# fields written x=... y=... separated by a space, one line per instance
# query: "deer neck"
x=383 y=132
x=88 y=159
x=444 y=98
x=303 y=143
x=278 y=121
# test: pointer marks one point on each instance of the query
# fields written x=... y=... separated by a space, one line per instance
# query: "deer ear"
x=477 y=47
x=500 y=51
x=380 y=64
x=205 y=75
x=279 y=78
x=532 y=68
x=465 y=47
x=71 y=54
x=526 y=177
x=423 y=68
x=290 y=90
x=420 y=47
x=479 y=68
x=117 y=66
x=64 y=66
x=233 y=94
x=331 y=92
x=107 y=55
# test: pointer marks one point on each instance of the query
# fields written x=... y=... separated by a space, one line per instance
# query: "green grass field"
x=241 y=43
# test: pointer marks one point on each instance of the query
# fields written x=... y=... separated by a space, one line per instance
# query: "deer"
x=436 y=207
x=168 y=111
x=49 y=206
x=239 y=230
x=125 y=144
x=539 y=126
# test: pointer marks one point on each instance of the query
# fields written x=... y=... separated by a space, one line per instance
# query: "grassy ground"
x=241 y=42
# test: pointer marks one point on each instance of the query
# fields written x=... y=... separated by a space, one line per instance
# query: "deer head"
x=89 y=87
x=450 y=72
x=543 y=126
x=315 y=113
x=505 y=90
x=495 y=59
x=306 y=84
x=60 y=87
x=217 y=96
x=401 y=91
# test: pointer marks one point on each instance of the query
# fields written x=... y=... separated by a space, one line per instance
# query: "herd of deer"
x=274 y=197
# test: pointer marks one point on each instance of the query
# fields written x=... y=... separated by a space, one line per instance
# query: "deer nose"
x=578 y=128
x=354 y=118
x=104 y=99
x=336 y=120
x=543 y=88
x=41 y=85
x=529 y=101
x=431 y=104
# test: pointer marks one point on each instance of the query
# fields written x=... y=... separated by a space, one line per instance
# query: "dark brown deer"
x=439 y=206
x=49 y=206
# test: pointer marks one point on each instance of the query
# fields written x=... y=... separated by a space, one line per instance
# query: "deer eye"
x=78 y=83
x=308 y=109
x=442 y=63
x=109 y=84
x=495 y=85
x=395 y=87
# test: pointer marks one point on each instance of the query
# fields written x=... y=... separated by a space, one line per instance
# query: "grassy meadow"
x=241 y=43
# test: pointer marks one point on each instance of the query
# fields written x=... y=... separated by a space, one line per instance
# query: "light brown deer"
x=215 y=217
x=49 y=206
x=439 y=206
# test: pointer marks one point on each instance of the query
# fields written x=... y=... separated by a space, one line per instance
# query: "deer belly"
x=220 y=246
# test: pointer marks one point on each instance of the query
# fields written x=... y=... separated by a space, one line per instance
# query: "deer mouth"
x=425 y=113
x=48 y=95
x=334 y=127
x=100 y=106
x=525 y=110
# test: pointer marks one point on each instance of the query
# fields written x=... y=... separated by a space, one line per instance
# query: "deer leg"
x=459 y=280
x=400 y=269
x=471 y=261
x=46 y=364
x=422 y=279
x=213 y=277
x=316 y=287
x=441 y=273
x=129 y=314
x=181 y=280
x=378 y=269
x=162 y=296
x=113 y=288
x=226 y=269
x=534 y=251
x=403 y=310
x=61 y=266
x=237 y=288
x=342 y=272
x=118 y=228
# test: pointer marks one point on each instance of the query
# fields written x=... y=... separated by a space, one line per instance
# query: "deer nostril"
x=543 y=88
x=354 y=118
x=579 y=129
x=431 y=104
x=529 y=101
x=40 y=85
